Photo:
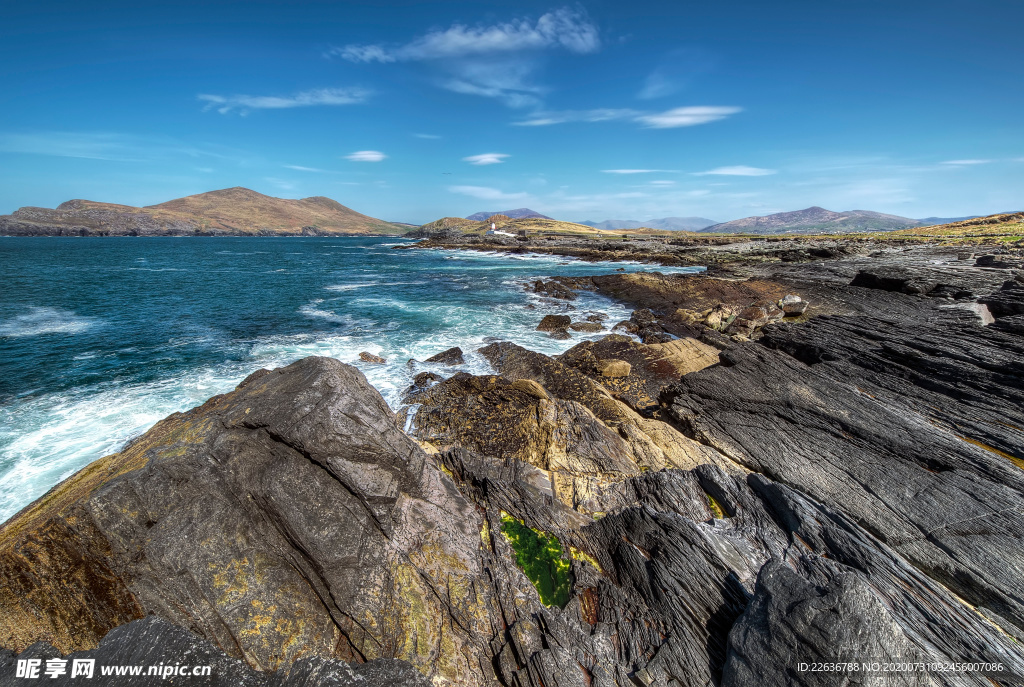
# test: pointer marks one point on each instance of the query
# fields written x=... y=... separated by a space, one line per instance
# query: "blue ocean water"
x=102 y=337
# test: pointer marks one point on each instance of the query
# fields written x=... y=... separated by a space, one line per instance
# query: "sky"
x=410 y=111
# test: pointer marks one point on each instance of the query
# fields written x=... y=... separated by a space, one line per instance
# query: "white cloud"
x=966 y=162
x=366 y=156
x=680 y=116
x=493 y=61
x=686 y=116
x=737 y=171
x=485 y=193
x=320 y=96
x=564 y=28
x=429 y=137
x=486 y=159
x=662 y=182
x=638 y=171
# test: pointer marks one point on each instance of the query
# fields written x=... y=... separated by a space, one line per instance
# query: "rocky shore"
x=812 y=453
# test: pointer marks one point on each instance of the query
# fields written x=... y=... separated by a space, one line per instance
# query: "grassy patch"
x=539 y=556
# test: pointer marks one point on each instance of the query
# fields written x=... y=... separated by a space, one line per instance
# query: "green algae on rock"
x=539 y=556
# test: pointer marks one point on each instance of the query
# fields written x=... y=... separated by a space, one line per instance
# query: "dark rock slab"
x=912 y=429
x=153 y=642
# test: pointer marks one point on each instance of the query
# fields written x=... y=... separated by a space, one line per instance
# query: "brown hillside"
x=250 y=212
x=233 y=211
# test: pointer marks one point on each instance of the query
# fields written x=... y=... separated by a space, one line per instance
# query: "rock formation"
x=797 y=464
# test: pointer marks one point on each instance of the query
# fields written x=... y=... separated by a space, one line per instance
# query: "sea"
x=102 y=337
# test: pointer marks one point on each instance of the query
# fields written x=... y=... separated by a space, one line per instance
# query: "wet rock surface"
x=783 y=463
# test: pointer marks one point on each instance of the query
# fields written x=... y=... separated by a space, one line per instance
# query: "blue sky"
x=410 y=111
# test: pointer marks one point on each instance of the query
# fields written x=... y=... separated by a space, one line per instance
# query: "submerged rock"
x=371 y=358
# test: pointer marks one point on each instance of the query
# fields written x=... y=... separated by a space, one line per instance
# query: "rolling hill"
x=814 y=220
x=228 y=212
x=668 y=223
x=518 y=213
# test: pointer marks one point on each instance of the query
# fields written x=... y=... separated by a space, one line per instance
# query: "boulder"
x=291 y=517
x=586 y=327
x=553 y=289
x=371 y=358
x=452 y=356
x=552 y=323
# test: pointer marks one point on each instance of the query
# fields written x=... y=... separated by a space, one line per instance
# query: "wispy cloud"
x=429 y=137
x=366 y=156
x=320 y=96
x=676 y=71
x=282 y=184
x=486 y=193
x=563 y=28
x=494 y=61
x=597 y=115
x=300 y=168
x=639 y=171
x=486 y=158
x=737 y=171
x=110 y=146
x=966 y=162
x=686 y=116
x=669 y=119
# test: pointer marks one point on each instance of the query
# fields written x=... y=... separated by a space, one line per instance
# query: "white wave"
x=349 y=287
x=42 y=320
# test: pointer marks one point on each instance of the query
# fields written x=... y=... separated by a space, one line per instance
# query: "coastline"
x=774 y=433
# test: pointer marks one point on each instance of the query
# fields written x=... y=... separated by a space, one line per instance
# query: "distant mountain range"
x=815 y=219
x=228 y=212
x=519 y=213
x=669 y=223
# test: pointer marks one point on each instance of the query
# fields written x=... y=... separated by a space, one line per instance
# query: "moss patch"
x=539 y=556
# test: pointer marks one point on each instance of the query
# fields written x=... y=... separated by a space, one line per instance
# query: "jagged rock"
x=371 y=358
x=153 y=642
x=425 y=379
x=551 y=323
x=1006 y=302
x=997 y=261
x=518 y=421
x=586 y=327
x=289 y=518
x=452 y=356
x=560 y=334
x=553 y=289
x=912 y=428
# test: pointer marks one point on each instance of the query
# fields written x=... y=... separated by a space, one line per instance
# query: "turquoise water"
x=102 y=337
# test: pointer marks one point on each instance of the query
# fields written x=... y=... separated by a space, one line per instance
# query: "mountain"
x=815 y=219
x=228 y=212
x=519 y=213
x=669 y=223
